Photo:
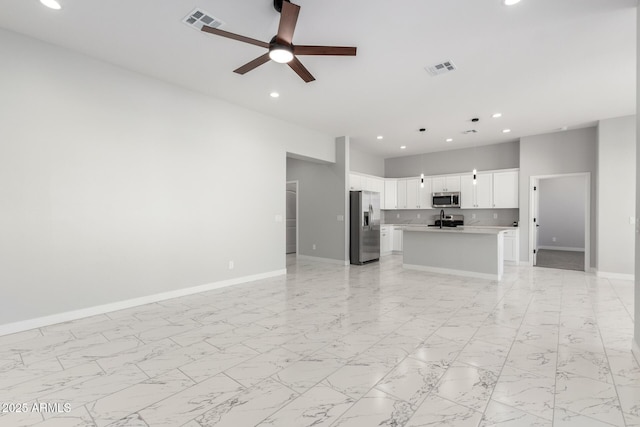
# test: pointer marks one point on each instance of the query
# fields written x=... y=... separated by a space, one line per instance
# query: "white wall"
x=616 y=195
x=637 y=237
x=561 y=213
x=554 y=154
x=117 y=186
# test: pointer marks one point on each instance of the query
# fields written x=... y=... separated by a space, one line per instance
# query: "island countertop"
x=457 y=230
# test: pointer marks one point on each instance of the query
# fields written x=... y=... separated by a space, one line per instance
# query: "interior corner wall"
x=561 y=213
x=116 y=186
x=365 y=162
x=616 y=195
x=321 y=200
x=573 y=151
x=636 y=340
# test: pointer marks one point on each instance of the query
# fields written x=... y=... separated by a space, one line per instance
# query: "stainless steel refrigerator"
x=365 y=227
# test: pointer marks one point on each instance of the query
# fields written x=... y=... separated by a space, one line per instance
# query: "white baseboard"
x=635 y=349
x=561 y=248
x=325 y=260
x=25 y=325
x=620 y=276
x=452 y=272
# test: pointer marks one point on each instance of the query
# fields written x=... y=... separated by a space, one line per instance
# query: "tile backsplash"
x=505 y=217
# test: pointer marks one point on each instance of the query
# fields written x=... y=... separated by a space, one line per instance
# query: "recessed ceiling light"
x=449 y=139
x=51 y=4
x=511 y=2
x=506 y=130
x=380 y=136
x=497 y=115
x=402 y=147
x=274 y=95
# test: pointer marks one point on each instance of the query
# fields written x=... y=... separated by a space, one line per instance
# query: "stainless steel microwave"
x=446 y=200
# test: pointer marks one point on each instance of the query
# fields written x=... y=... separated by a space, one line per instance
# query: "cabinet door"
x=452 y=183
x=467 y=192
x=412 y=193
x=402 y=194
x=505 y=189
x=424 y=194
x=484 y=191
x=390 y=194
x=438 y=184
x=397 y=239
x=509 y=248
x=355 y=182
x=385 y=240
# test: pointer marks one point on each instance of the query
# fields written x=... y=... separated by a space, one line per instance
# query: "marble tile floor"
x=330 y=345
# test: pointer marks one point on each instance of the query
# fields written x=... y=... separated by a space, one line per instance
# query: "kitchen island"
x=474 y=251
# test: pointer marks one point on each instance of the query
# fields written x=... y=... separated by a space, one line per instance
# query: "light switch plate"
x=632 y=220
x=340 y=217
x=278 y=218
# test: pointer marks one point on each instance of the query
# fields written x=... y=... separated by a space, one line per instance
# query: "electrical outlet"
x=473 y=216
x=553 y=239
x=495 y=216
x=397 y=215
x=418 y=215
x=314 y=247
x=231 y=265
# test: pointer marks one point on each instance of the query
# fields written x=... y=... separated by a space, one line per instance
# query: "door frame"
x=297 y=185
x=534 y=180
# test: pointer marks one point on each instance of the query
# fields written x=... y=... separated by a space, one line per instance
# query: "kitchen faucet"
x=441 y=217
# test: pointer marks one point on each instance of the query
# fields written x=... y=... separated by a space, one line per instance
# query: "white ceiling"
x=543 y=64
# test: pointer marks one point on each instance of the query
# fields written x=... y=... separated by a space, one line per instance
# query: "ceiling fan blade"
x=233 y=36
x=288 y=20
x=325 y=50
x=252 y=64
x=300 y=70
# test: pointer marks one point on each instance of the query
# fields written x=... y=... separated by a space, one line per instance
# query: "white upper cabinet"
x=390 y=194
x=484 y=191
x=505 y=189
x=478 y=196
x=447 y=183
x=424 y=194
x=355 y=182
x=412 y=193
x=401 y=186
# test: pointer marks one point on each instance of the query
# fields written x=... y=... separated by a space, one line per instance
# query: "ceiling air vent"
x=441 y=68
x=198 y=18
x=470 y=131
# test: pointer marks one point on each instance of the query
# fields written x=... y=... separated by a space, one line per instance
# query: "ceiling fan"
x=281 y=47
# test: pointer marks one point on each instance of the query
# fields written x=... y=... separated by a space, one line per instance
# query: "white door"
x=292 y=220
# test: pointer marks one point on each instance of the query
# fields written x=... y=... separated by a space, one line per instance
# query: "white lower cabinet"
x=386 y=240
x=511 y=246
x=397 y=239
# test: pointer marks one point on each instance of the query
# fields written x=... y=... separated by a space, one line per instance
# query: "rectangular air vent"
x=466 y=132
x=441 y=68
x=198 y=18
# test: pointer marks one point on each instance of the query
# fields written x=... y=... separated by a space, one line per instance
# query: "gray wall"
x=637 y=255
x=557 y=153
x=362 y=162
x=561 y=212
x=117 y=186
x=322 y=190
x=616 y=195
x=488 y=157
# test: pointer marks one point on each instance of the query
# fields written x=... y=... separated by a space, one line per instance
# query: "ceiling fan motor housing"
x=277 y=5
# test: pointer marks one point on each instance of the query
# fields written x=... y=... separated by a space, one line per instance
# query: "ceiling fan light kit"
x=281 y=47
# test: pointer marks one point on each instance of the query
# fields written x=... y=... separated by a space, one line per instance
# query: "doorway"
x=560 y=224
x=292 y=218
